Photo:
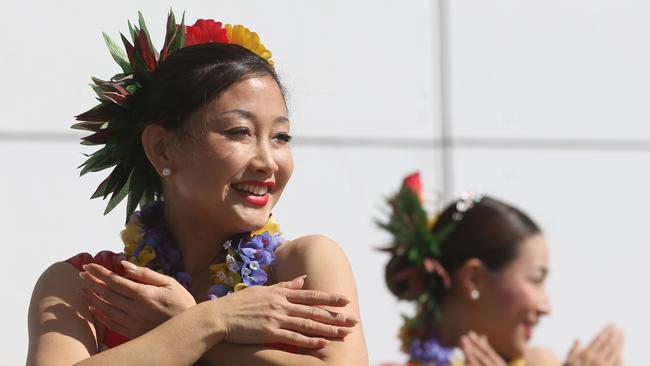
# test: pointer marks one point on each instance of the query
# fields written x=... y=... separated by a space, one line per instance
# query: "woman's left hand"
x=478 y=351
x=133 y=306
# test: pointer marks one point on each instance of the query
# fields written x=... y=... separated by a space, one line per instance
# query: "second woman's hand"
x=478 y=351
x=283 y=313
x=604 y=350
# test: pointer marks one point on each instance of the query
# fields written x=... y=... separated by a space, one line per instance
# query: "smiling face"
x=235 y=162
x=512 y=301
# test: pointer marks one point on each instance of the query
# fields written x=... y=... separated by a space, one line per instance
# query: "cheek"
x=284 y=159
x=519 y=298
x=210 y=166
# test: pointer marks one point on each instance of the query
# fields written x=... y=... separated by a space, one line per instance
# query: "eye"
x=238 y=132
x=283 y=137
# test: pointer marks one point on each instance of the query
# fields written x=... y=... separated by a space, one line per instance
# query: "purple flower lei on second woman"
x=429 y=351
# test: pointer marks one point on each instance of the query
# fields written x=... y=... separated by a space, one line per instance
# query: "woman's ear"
x=472 y=276
x=157 y=142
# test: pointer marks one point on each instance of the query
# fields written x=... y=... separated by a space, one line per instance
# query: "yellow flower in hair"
x=146 y=255
x=271 y=227
x=240 y=35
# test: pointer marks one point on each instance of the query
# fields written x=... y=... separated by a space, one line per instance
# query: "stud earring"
x=166 y=172
x=474 y=295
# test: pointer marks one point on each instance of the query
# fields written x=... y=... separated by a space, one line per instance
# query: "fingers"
x=315 y=297
x=299 y=340
x=607 y=345
x=611 y=351
x=102 y=309
x=322 y=316
x=576 y=349
x=478 y=351
x=146 y=275
x=111 y=323
x=115 y=282
x=104 y=291
x=295 y=284
x=310 y=327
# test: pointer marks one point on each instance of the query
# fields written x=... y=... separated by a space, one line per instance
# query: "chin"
x=250 y=221
x=518 y=349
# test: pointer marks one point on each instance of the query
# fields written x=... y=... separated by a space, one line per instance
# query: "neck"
x=199 y=240
x=457 y=321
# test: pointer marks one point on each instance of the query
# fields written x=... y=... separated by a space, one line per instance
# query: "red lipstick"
x=252 y=198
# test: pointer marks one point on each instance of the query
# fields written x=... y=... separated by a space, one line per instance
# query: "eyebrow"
x=251 y=116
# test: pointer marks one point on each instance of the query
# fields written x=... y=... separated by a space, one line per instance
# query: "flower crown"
x=416 y=251
x=112 y=121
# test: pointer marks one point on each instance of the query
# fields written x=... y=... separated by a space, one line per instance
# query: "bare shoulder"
x=58 y=318
x=327 y=269
x=538 y=356
x=310 y=246
x=317 y=256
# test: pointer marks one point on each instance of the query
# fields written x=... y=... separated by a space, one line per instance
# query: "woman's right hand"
x=283 y=313
x=604 y=350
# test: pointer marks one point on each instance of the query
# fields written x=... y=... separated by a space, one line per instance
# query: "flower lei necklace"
x=429 y=352
x=147 y=243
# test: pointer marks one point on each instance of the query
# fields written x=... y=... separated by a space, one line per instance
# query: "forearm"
x=182 y=340
x=225 y=353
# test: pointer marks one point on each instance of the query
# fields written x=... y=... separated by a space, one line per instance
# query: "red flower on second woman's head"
x=205 y=31
x=414 y=184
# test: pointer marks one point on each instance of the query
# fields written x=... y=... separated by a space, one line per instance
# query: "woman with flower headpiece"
x=476 y=273
x=197 y=135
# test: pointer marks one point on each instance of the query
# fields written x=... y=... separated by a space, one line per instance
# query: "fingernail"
x=129 y=266
x=302 y=277
x=343 y=331
x=85 y=267
x=82 y=275
x=343 y=300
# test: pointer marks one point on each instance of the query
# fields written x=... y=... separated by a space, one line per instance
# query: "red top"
x=110 y=261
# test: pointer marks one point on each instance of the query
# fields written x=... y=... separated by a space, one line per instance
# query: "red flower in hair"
x=205 y=31
x=414 y=184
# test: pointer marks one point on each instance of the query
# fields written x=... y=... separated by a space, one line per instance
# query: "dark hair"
x=188 y=79
x=490 y=231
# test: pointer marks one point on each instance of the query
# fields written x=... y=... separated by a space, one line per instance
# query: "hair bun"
x=404 y=279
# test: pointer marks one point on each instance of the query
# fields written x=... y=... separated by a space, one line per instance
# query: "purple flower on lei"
x=430 y=351
x=256 y=253
x=251 y=255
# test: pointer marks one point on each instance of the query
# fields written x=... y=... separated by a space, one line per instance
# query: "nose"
x=263 y=160
x=544 y=306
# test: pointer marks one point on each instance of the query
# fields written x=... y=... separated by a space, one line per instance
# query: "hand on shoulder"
x=327 y=269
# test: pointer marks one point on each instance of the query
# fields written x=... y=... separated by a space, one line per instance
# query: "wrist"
x=214 y=321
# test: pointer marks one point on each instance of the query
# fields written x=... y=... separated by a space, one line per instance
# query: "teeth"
x=256 y=190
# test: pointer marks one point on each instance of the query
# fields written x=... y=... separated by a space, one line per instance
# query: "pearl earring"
x=166 y=172
x=474 y=295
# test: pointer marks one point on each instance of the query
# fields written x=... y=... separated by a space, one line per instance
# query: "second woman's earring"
x=166 y=172
x=474 y=294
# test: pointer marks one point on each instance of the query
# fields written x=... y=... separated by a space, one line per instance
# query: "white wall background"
x=544 y=104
